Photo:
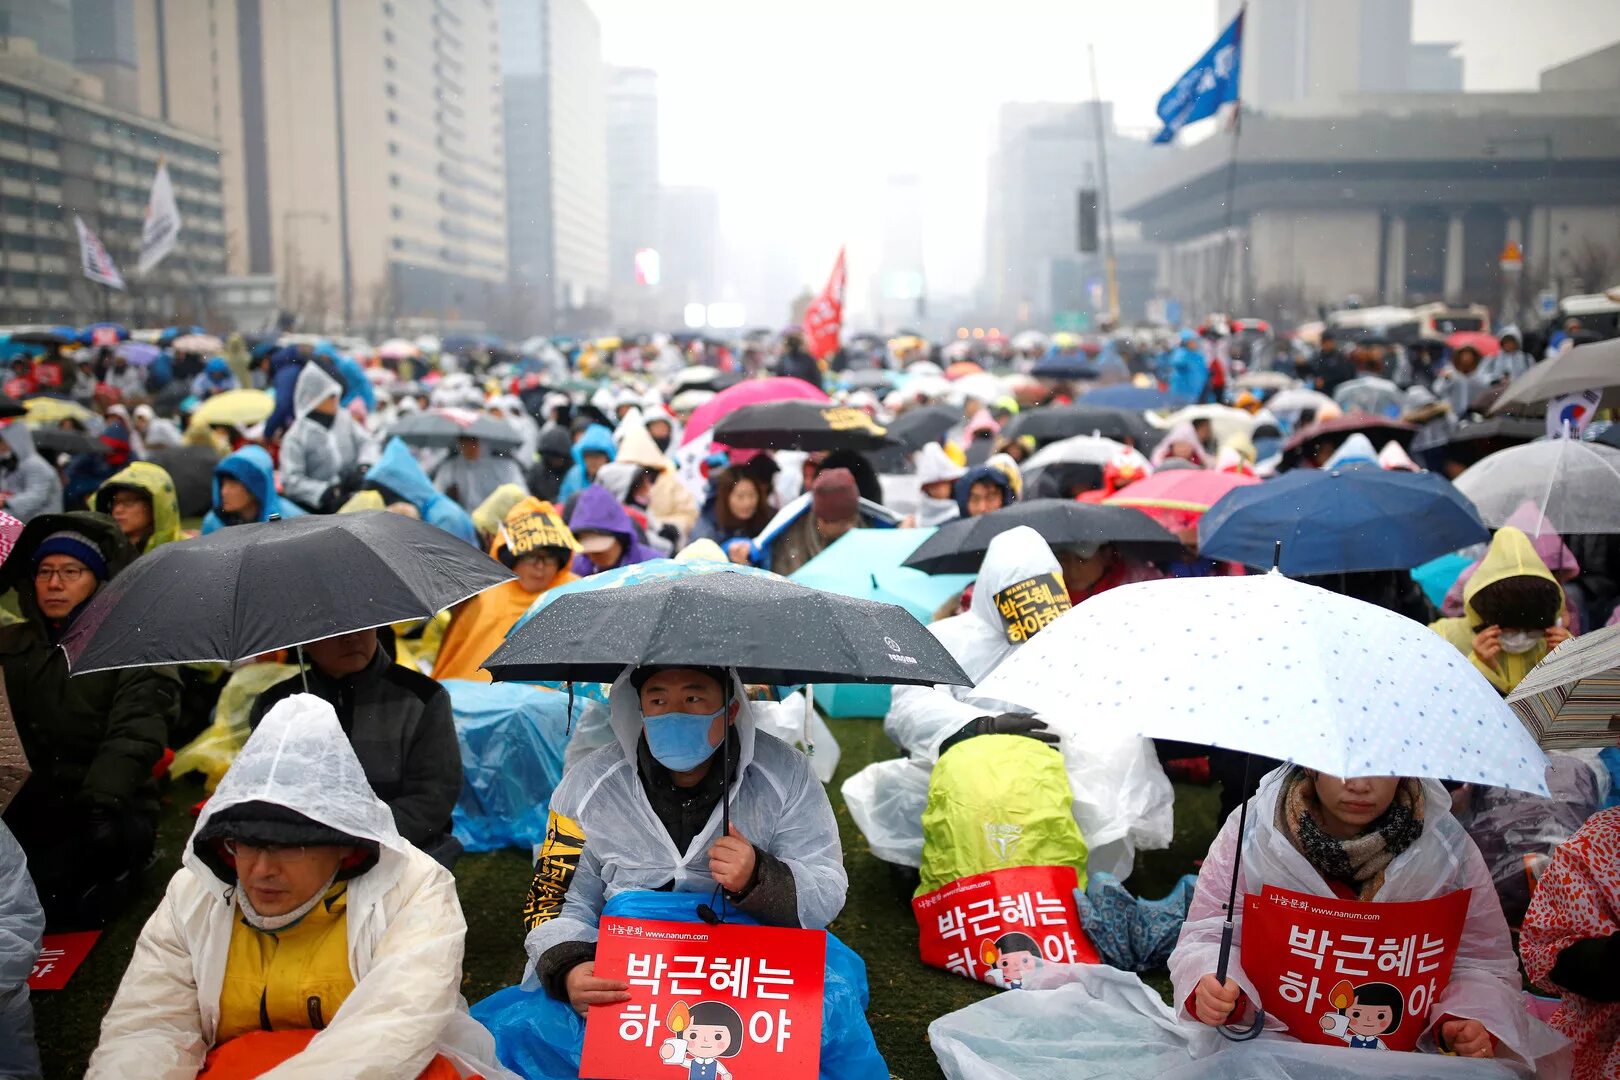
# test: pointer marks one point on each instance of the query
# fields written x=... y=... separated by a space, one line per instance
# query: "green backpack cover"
x=996 y=801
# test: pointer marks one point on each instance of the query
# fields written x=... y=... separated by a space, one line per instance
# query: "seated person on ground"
x=1513 y=612
x=301 y=930
x=644 y=814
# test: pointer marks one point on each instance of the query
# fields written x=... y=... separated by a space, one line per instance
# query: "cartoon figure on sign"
x=1364 y=1014
x=704 y=1033
x=1010 y=958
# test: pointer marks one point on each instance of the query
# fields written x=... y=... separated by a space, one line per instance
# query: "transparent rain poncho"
x=776 y=802
x=1122 y=799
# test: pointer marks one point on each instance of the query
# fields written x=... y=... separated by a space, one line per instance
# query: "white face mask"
x=1520 y=641
x=272 y=923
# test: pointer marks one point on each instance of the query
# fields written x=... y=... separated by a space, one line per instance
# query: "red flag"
x=824 y=319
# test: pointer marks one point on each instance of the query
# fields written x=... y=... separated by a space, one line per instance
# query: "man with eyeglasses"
x=87 y=817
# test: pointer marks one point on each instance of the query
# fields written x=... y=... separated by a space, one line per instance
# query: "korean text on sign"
x=999 y=927
x=711 y=999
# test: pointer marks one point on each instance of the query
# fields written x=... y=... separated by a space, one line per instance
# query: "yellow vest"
x=290 y=979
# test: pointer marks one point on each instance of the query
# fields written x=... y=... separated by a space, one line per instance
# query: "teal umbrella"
x=865 y=564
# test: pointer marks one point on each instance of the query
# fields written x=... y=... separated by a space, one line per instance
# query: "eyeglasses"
x=128 y=498
x=282 y=853
x=67 y=575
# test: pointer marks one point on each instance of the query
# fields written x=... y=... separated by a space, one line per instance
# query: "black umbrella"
x=192 y=470
x=252 y=589
x=772 y=631
x=57 y=440
x=442 y=427
x=1053 y=422
x=45 y=335
x=917 y=427
x=800 y=425
x=869 y=379
x=959 y=546
x=10 y=406
x=1509 y=430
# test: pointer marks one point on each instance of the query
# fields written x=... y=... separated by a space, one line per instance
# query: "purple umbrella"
x=138 y=353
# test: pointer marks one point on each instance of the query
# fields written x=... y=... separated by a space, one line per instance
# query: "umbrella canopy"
x=1595 y=366
x=398 y=349
x=1576 y=484
x=442 y=427
x=1265 y=380
x=1224 y=421
x=1064 y=421
x=40 y=412
x=924 y=424
x=1076 y=450
x=235 y=408
x=57 y=440
x=959 y=546
x=1030 y=340
x=103 y=333
x=252 y=589
x=1371 y=394
x=771 y=631
x=197 y=343
x=1510 y=429
x=800 y=425
x=869 y=564
x=192 y=470
x=44 y=335
x=751 y=392
x=880 y=379
x=980 y=386
x=1298 y=399
x=138 y=353
x=1314 y=678
x=1065 y=365
x=1481 y=342
x=1125 y=396
x=1380 y=429
x=1572 y=698
x=1189 y=490
x=10 y=407
x=961 y=368
x=1334 y=521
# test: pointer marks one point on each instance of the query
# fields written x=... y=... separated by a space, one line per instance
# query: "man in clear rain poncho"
x=643 y=813
x=1122 y=800
x=301 y=929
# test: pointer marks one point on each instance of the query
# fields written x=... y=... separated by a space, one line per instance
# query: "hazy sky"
x=797 y=110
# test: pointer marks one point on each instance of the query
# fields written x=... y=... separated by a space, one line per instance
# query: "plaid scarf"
x=1361 y=860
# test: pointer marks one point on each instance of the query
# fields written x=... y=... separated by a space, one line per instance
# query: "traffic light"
x=1088 y=221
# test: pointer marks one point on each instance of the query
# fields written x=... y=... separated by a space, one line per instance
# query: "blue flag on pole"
x=1208 y=84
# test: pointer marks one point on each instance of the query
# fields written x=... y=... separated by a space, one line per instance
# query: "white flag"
x=93 y=258
x=162 y=227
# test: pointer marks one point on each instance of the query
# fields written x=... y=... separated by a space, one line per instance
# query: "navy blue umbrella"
x=1059 y=365
x=1131 y=397
x=1341 y=521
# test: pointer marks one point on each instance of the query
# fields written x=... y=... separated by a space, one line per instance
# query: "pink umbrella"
x=1483 y=343
x=751 y=392
x=10 y=529
x=1177 y=498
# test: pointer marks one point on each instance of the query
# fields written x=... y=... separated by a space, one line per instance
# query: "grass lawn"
x=876 y=923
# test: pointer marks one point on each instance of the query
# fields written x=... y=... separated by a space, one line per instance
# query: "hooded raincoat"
x=398 y=473
x=1510 y=555
x=154 y=482
x=28 y=482
x=315 y=454
x=1180 y=435
x=1122 y=800
x=250 y=467
x=597 y=510
x=669 y=502
x=469 y=482
x=618 y=842
x=597 y=439
x=405 y=933
x=482 y=623
x=22 y=929
x=1554 y=553
x=1484 y=982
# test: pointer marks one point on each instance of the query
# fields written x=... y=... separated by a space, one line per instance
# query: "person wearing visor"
x=645 y=813
x=1513 y=612
x=302 y=931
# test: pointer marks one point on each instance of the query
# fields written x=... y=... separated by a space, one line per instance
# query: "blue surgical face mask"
x=680 y=741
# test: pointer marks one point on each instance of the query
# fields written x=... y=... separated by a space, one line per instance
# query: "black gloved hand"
x=672 y=533
x=331 y=499
x=1003 y=724
x=104 y=835
x=353 y=478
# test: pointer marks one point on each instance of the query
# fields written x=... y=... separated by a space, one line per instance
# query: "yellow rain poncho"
x=154 y=481
x=1511 y=555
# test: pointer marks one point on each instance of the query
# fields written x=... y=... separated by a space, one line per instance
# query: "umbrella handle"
x=725 y=766
x=1222 y=964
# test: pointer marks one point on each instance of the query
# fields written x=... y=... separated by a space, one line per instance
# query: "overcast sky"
x=797 y=111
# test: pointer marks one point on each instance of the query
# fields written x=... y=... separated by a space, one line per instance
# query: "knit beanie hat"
x=76 y=546
x=834 y=495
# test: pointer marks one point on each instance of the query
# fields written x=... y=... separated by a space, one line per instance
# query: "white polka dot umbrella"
x=1270 y=666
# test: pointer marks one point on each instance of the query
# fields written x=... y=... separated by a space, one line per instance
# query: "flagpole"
x=1230 y=297
x=1109 y=264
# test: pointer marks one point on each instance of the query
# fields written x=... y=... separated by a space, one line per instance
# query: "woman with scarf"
x=1373 y=840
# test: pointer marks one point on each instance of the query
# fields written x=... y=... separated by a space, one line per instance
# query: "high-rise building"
x=554 y=94
x=361 y=146
x=635 y=263
x=1435 y=68
x=64 y=151
x=47 y=23
x=689 y=250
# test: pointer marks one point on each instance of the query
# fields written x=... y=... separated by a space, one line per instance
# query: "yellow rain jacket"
x=293 y=979
x=155 y=481
x=1511 y=555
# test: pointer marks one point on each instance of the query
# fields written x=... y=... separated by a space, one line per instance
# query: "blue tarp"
x=512 y=739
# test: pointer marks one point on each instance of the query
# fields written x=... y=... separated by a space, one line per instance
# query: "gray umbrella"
x=1585 y=367
x=443 y=427
x=1577 y=484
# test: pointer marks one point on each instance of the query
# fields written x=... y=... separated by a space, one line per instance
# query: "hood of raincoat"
x=1510 y=555
x=597 y=438
x=624 y=716
x=300 y=759
x=155 y=482
x=620 y=478
x=934 y=465
x=554 y=441
x=1000 y=470
x=313 y=387
x=1554 y=554
x=99 y=529
x=251 y=467
x=1181 y=433
x=1013 y=556
x=503 y=501
x=636 y=445
x=20 y=439
x=398 y=471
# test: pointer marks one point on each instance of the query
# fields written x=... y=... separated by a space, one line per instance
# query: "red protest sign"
x=718 y=1001
x=1344 y=972
x=59 y=958
x=999 y=926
